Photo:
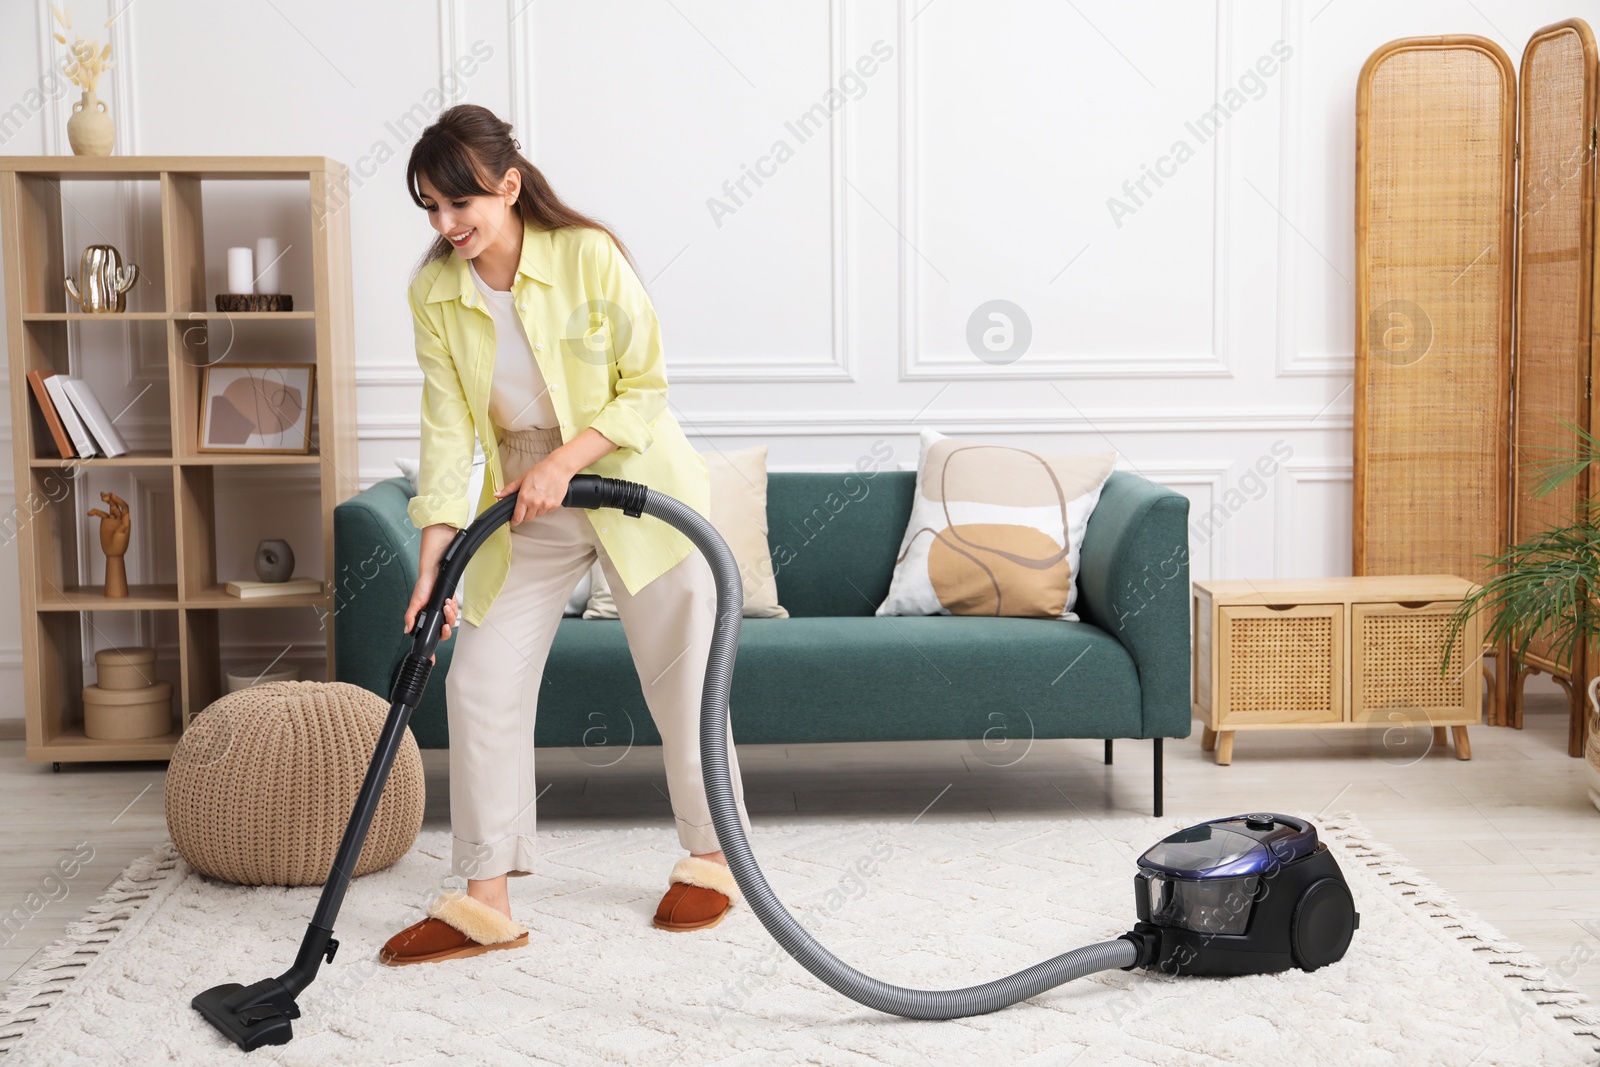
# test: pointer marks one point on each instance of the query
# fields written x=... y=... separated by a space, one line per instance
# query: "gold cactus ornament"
x=103 y=280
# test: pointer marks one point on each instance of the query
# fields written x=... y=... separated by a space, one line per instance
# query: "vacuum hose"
x=262 y=1013
x=1123 y=953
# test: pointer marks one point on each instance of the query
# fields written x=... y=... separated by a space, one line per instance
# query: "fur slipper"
x=475 y=918
x=699 y=893
x=457 y=926
x=696 y=871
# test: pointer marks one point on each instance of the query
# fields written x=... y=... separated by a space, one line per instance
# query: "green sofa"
x=833 y=671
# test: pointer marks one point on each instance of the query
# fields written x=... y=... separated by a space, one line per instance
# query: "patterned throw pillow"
x=739 y=512
x=995 y=530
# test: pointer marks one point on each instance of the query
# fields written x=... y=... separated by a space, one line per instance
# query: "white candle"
x=267 y=265
x=241 y=272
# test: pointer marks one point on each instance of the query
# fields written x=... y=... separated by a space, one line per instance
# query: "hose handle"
x=588 y=491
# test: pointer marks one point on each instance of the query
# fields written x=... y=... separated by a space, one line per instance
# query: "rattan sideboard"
x=1335 y=653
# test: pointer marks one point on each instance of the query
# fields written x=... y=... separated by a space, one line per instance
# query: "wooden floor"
x=1511 y=834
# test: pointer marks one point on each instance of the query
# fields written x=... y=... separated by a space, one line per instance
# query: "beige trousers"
x=496 y=671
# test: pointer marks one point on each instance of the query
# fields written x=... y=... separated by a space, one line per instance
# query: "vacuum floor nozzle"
x=250 y=1016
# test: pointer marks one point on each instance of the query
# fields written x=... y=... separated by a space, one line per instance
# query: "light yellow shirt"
x=598 y=345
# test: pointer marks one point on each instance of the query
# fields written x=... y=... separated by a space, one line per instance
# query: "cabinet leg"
x=1463 y=746
x=1208 y=739
x=1224 y=747
x=1440 y=736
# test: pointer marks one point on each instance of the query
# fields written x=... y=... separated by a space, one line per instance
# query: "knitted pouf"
x=263 y=781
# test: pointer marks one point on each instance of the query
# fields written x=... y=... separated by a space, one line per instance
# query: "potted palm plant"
x=1549 y=586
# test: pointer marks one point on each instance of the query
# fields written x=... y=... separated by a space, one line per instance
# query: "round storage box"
x=260 y=674
x=262 y=782
x=125 y=668
x=127 y=714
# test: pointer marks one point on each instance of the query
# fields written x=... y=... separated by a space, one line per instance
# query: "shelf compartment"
x=56 y=709
x=69 y=575
x=126 y=215
x=281 y=635
x=197 y=255
x=214 y=640
x=124 y=362
x=196 y=347
x=221 y=521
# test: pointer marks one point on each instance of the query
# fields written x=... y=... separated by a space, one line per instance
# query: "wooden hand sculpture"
x=114 y=529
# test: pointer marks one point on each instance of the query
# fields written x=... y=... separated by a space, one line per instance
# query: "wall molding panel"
x=918 y=364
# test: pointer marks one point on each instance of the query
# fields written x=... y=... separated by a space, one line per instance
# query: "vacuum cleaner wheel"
x=1324 y=921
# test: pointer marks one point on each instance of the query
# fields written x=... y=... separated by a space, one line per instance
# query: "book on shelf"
x=292 y=587
x=94 y=416
x=69 y=416
x=47 y=407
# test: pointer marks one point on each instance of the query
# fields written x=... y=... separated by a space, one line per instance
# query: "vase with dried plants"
x=89 y=130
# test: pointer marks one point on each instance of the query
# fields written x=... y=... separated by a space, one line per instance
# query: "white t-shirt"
x=518 y=396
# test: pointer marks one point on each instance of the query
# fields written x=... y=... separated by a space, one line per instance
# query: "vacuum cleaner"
x=1250 y=894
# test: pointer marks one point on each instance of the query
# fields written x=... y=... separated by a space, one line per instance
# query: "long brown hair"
x=465 y=143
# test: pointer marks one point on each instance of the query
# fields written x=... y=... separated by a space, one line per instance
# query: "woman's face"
x=475 y=222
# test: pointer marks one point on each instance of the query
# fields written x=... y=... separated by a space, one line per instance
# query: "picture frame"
x=257 y=408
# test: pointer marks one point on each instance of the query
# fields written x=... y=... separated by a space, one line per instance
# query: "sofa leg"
x=1108 y=752
x=1158 y=776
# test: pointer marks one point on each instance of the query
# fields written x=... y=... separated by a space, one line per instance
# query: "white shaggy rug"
x=934 y=904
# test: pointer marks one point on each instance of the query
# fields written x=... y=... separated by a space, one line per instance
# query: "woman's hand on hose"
x=542 y=488
x=435 y=539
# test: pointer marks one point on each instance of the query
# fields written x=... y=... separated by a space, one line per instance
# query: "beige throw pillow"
x=739 y=512
x=995 y=530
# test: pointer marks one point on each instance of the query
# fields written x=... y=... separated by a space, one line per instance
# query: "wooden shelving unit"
x=37 y=335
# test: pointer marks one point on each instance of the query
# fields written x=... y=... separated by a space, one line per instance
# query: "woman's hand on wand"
x=540 y=490
x=435 y=539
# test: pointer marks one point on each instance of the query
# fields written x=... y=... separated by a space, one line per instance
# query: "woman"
x=536 y=338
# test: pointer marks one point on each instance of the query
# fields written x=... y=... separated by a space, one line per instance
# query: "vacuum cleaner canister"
x=1251 y=894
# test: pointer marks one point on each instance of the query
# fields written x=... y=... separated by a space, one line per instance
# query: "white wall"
x=1203 y=330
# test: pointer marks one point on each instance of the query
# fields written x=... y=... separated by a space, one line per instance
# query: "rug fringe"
x=32 y=992
x=1528 y=974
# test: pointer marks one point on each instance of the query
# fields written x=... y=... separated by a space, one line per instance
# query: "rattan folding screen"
x=1552 y=353
x=1475 y=248
x=1435 y=214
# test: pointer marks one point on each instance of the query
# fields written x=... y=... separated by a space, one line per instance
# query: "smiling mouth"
x=463 y=238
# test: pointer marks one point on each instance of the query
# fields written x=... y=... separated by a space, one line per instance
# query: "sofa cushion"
x=739 y=513
x=995 y=530
x=801 y=680
x=833 y=537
